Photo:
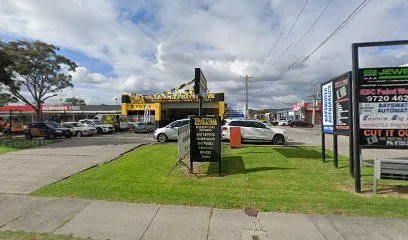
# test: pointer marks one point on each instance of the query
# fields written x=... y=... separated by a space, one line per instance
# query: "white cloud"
x=154 y=45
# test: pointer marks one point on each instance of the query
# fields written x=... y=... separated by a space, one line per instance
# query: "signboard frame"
x=327 y=128
x=381 y=95
x=334 y=112
x=337 y=131
x=200 y=83
x=200 y=88
x=205 y=142
x=183 y=142
x=356 y=108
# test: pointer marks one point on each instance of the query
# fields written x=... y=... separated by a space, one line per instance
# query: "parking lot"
x=24 y=171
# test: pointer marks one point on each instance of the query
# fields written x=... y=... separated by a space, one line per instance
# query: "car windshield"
x=54 y=125
x=74 y=125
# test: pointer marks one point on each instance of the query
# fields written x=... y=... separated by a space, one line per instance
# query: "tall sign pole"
x=356 y=118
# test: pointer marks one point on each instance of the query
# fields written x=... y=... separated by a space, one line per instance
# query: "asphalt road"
x=109 y=139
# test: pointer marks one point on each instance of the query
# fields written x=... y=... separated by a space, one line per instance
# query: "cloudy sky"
x=151 y=46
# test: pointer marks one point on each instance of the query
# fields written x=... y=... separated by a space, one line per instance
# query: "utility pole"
x=314 y=99
x=246 y=95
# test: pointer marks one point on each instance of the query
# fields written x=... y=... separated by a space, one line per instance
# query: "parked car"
x=48 y=130
x=300 y=124
x=142 y=127
x=100 y=128
x=118 y=121
x=252 y=130
x=275 y=122
x=170 y=131
x=283 y=122
x=79 y=130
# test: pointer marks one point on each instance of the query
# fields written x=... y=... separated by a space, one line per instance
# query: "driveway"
x=25 y=171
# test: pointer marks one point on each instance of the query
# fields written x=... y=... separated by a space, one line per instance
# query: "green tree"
x=37 y=69
x=75 y=101
x=5 y=78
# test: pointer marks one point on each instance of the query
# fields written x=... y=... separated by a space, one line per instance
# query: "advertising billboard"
x=183 y=141
x=383 y=107
x=342 y=100
x=200 y=84
x=205 y=139
x=327 y=108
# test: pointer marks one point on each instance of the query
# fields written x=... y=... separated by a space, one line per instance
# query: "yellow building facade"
x=165 y=108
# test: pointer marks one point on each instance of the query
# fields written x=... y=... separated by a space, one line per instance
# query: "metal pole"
x=351 y=152
x=356 y=119
x=246 y=96
x=323 y=135
x=200 y=108
x=323 y=148
x=335 y=152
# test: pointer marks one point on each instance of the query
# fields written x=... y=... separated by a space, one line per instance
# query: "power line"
x=270 y=51
x=280 y=76
x=344 y=23
x=304 y=35
x=298 y=16
x=314 y=22
x=280 y=56
x=291 y=28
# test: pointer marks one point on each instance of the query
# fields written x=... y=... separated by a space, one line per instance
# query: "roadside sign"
x=342 y=103
x=383 y=107
x=183 y=141
x=327 y=108
x=205 y=140
x=232 y=113
x=200 y=84
x=336 y=113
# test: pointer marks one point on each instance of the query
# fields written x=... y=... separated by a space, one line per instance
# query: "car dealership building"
x=177 y=103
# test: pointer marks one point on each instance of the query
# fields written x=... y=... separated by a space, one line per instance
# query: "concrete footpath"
x=117 y=220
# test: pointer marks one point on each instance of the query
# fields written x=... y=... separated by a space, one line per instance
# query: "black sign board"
x=205 y=140
x=200 y=83
x=383 y=107
x=336 y=112
x=342 y=103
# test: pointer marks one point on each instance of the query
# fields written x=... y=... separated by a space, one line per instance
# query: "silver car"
x=170 y=131
x=142 y=127
x=79 y=129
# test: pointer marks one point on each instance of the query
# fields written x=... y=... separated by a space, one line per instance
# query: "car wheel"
x=278 y=139
x=51 y=136
x=162 y=137
x=99 y=130
x=68 y=136
x=78 y=134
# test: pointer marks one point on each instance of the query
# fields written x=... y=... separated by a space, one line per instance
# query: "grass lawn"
x=283 y=179
x=11 y=145
x=33 y=236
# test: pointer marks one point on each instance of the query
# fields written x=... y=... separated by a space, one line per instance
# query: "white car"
x=252 y=130
x=100 y=128
x=78 y=129
x=283 y=122
x=170 y=132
